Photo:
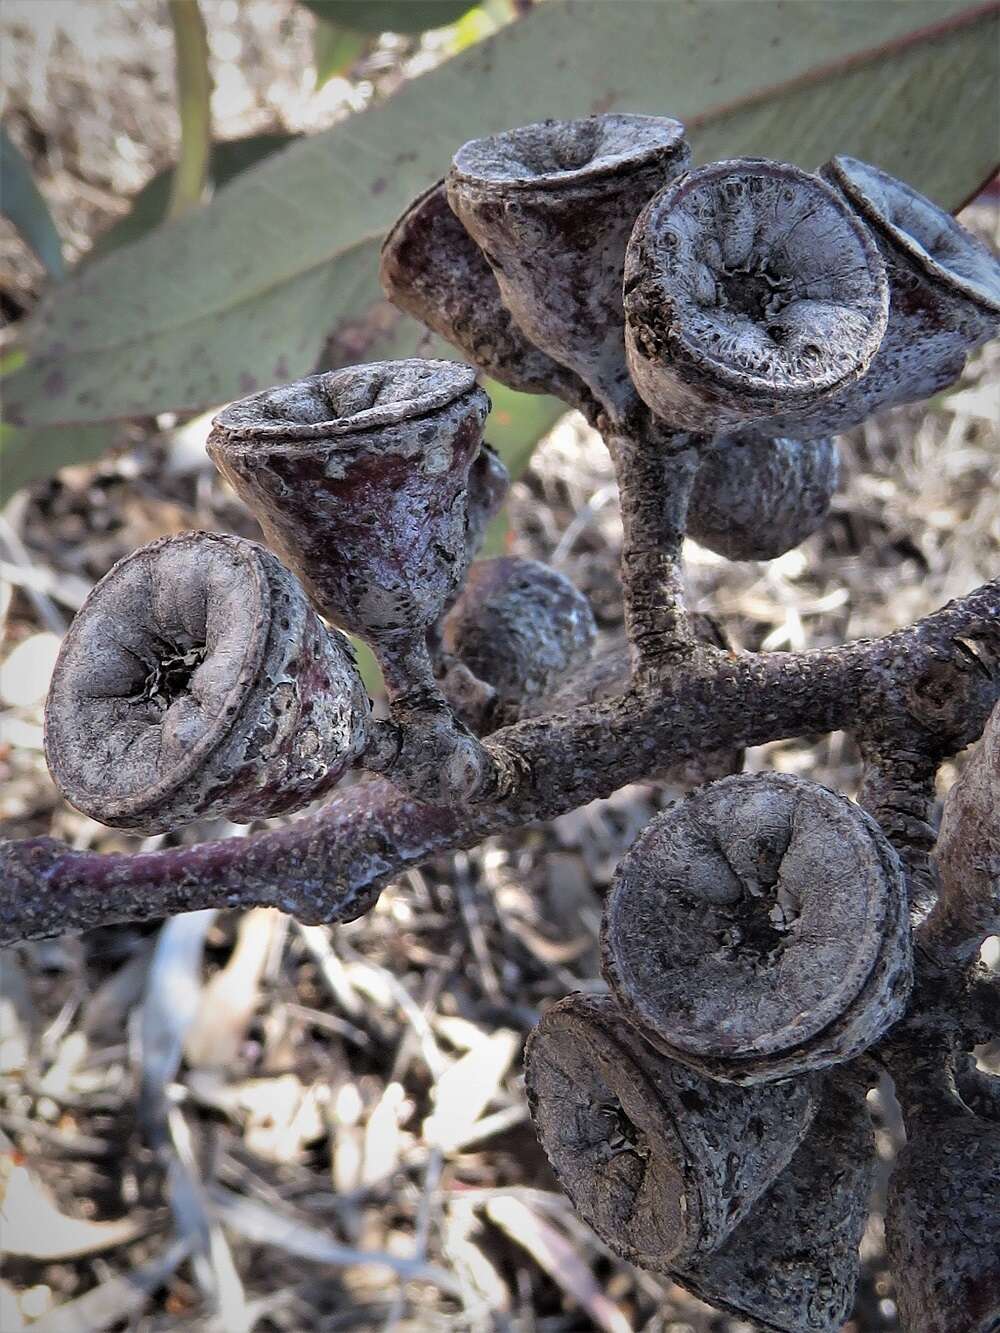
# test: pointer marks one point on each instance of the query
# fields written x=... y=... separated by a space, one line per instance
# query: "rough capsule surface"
x=195 y=682
x=760 y=929
x=750 y=286
x=662 y=1162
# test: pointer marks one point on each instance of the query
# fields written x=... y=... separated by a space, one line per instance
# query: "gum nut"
x=519 y=626
x=750 y=288
x=196 y=682
x=359 y=479
x=662 y=1162
x=760 y=929
x=433 y=269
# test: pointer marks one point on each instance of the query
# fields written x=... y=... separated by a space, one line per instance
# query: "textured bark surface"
x=520 y=627
x=898 y=791
x=196 y=681
x=551 y=206
x=607 y=675
x=656 y=471
x=978 y=1090
x=760 y=929
x=793 y=1265
x=941 y=1226
x=750 y=289
x=968 y=856
x=661 y=1162
x=756 y=499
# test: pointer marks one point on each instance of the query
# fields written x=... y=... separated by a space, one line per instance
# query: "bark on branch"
x=934 y=683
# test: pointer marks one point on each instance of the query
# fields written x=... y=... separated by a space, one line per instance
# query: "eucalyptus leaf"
x=194 y=104
x=23 y=203
x=250 y=289
x=375 y=16
x=149 y=205
x=29 y=453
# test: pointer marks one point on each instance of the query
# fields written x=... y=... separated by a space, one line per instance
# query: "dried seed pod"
x=609 y=673
x=551 y=206
x=196 y=681
x=968 y=856
x=944 y=292
x=433 y=269
x=359 y=480
x=944 y=300
x=519 y=626
x=750 y=289
x=661 y=1162
x=792 y=1266
x=756 y=499
x=760 y=929
x=942 y=1225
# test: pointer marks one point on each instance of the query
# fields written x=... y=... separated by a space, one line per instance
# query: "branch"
x=656 y=472
x=939 y=680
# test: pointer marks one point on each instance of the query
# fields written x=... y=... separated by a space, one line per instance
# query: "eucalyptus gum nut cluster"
x=792 y=1265
x=660 y=1161
x=433 y=269
x=551 y=206
x=941 y=1226
x=194 y=682
x=760 y=929
x=751 y=289
x=607 y=675
x=520 y=626
x=756 y=499
x=967 y=854
x=358 y=478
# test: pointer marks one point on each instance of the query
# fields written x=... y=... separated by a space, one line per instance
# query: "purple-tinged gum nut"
x=520 y=627
x=756 y=499
x=433 y=269
x=551 y=206
x=196 y=682
x=359 y=479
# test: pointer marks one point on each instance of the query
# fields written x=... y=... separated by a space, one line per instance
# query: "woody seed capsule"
x=196 y=682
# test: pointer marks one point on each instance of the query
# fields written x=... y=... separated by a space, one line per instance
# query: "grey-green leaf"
x=29 y=453
x=22 y=202
x=149 y=205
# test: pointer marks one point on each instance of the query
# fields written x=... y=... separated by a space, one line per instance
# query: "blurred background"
x=232 y=1122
